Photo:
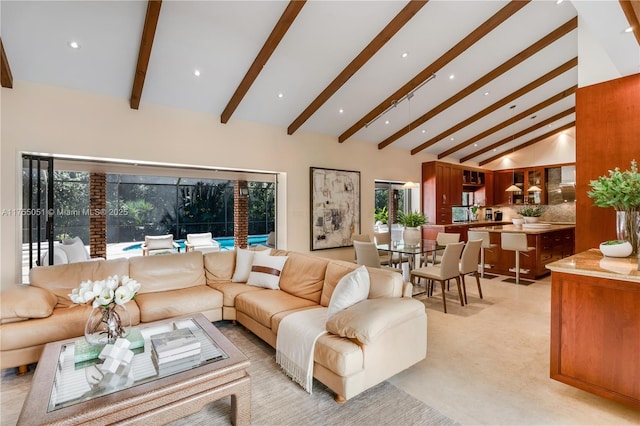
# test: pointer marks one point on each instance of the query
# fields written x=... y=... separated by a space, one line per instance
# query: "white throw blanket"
x=296 y=340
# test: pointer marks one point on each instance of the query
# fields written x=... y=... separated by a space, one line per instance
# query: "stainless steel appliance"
x=497 y=216
x=488 y=213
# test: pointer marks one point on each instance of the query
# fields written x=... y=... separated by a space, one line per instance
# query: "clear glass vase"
x=107 y=323
x=627 y=227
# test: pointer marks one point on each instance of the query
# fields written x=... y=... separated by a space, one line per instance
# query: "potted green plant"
x=531 y=212
x=412 y=221
x=620 y=190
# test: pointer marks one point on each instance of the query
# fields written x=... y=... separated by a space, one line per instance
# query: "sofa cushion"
x=263 y=305
x=342 y=356
x=64 y=323
x=168 y=272
x=62 y=279
x=24 y=301
x=366 y=320
x=266 y=271
x=231 y=290
x=219 y=266
x=351 y=289
x=167 y=304
x=244 y=260
x=303 y=276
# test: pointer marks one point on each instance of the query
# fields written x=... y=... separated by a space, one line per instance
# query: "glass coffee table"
x=64 y=390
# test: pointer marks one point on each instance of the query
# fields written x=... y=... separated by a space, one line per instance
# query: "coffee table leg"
x=241 y=404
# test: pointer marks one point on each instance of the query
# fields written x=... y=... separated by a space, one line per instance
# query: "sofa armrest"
x=25 y=301
x=367 y=320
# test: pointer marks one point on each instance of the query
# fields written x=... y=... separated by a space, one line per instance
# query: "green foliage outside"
x=381 y=215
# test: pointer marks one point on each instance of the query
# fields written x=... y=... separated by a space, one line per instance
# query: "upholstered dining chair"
x=448 y=269
x=159 y=244
x=367 y=254
x=442 y=239
x=469 y=265
x=359 y=237
x=486 y=244
x=386 y=257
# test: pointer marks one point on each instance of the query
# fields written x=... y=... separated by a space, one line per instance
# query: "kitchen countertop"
x=514 y=228
x=472 y=222
x=593 y=264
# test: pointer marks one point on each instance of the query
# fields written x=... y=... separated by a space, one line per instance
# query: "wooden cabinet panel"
x=595 y=335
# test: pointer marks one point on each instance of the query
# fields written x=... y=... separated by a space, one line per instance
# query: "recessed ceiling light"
x=280 y=95
x=549 y=125
x=340 y=110
x=494 y=150
x=475 y=144
x=74 y=45
x=424 y=131
x=452 y=139
x=452 y=76
x=404 y=54
x=559 y=1
x=486 y=93
x=196 y=73
x=386 y=122
x=628 y=30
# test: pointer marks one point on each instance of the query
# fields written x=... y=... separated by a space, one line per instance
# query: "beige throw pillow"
x=266 y=271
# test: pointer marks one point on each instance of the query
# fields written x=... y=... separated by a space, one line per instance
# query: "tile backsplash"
x=565 y=212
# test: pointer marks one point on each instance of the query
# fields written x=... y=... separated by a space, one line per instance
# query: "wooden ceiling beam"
x=277 y=34
x=485 y=28
x=146 y=43
x=521 y=133
x=6 y=77
x=536 y=47
x=516 y=118
x=502 y=102
x=631 y=9
x=528 y=143
x=363 y=57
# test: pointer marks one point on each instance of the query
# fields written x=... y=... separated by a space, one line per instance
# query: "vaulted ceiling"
x=466 y=80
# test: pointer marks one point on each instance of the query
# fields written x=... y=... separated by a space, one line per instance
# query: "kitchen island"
x=595 y=325
x=552 y=242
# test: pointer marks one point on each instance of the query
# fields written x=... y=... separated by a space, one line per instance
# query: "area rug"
x=275 y=399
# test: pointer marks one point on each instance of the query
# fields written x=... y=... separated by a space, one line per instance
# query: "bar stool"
x=486 y=244
x=516 y=242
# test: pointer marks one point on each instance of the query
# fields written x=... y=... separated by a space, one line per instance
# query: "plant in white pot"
x=531 y=213
x=621 y=190
x=412 y=221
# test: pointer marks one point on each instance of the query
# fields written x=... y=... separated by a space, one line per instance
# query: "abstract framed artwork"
x=335 y=207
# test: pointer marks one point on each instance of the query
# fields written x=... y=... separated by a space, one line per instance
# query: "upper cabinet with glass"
x=561 y=184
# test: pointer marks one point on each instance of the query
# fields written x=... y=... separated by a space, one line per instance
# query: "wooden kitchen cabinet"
x=442 y=185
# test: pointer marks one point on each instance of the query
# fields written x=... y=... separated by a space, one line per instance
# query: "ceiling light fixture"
x=475 y=144
x=424 y=131
x=404 y=54
x=559 y=1
x=628 y=30
x=280 y=95
x=196 y=73
x=486 y=93
x=535 y=188
x=452 y=76
x=410 y=185
x=340 y=111
x=386 y=122
x=74 y=45
x=395 y=103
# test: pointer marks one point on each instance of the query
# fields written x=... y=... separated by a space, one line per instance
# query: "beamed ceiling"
x=463 y=80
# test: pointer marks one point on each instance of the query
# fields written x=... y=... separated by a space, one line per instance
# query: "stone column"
x=240 y=214
x=97 y=214
x=393 y=202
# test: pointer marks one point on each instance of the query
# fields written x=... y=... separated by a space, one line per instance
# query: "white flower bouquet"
x=109 y=318
x=106 y=292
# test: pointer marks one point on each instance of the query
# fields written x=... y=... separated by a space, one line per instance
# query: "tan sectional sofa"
x=366 y=344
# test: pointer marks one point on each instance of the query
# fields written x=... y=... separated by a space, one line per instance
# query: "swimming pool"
x=226 y=243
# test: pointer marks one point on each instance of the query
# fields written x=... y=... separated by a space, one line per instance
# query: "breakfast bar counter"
x=595 y=325
x=552 y=242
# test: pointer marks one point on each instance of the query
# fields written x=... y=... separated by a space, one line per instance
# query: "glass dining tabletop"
x=424 y=248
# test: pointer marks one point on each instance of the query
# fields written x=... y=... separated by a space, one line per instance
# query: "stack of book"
x=175 y=351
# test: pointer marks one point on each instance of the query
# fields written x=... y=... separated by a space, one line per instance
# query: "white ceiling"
x=222 y=38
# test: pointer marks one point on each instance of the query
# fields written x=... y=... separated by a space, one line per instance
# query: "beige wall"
x=44 y=119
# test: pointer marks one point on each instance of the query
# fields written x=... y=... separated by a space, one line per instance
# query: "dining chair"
x=469 y=265
x=359 y=237
x=486 y=244
x=386 y=256
x=448 y=269
x=367 y=254
x=442 y=239
x=517 y=242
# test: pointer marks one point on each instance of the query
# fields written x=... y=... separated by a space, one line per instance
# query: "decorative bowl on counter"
x=616 y=248
x=517 y=221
